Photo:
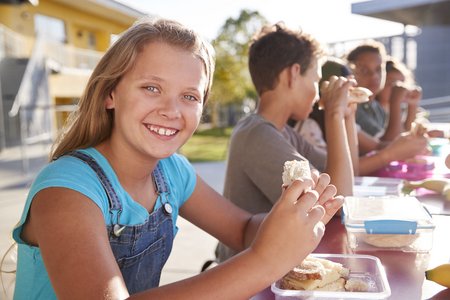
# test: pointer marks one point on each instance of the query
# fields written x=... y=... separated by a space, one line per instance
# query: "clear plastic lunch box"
x=364 y=267
x=387 y=223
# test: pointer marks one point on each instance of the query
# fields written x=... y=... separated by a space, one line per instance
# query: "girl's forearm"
x=252 y=228
x=352 y=136
x=339 y=162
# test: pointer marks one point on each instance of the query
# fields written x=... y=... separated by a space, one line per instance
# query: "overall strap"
x=160 y=181
x=162 y=188
x=115 y=205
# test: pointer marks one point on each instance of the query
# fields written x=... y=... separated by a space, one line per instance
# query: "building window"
x=50 y=28
x=411 y=54
x=397 y=47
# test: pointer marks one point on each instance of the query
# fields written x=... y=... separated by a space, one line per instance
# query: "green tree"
x=232 y=82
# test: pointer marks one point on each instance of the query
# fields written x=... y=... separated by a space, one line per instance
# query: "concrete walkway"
x=192 y=246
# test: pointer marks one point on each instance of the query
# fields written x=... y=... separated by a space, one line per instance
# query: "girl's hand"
x=405 y=146
x=414 y=95
x=292 y=229
x=327 y=198
x=334 y=96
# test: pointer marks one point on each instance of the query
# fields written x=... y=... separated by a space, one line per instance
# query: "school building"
x=425 y=50
x=48 y=49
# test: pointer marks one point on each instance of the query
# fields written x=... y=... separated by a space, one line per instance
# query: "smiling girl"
x=100 y=218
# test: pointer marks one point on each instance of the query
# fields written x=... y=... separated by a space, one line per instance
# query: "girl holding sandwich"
x=100 y=218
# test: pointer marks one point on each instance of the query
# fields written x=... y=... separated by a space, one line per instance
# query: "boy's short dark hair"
x=370 y=46
x=275 y=48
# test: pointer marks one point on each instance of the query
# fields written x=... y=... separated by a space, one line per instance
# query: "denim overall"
x=140 y=250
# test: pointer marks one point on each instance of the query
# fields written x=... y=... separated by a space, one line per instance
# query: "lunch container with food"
x=387 y=223
x=366 y=268
x=438 y=144
x=414 y=169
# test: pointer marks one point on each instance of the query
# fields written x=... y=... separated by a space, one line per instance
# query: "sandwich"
x=355 y=95
x=318 y=274
x=359 y=95
x=295 y=169
x=418 y=128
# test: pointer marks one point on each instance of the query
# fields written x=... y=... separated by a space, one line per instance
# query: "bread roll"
x=316 y=274
x=295 y=169
x=359 y=95
x=417 y=128
x=355 y=95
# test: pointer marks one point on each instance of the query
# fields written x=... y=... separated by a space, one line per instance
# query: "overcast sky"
x=327 y=20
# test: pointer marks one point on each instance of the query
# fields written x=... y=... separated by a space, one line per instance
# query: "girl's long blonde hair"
x=92 y=123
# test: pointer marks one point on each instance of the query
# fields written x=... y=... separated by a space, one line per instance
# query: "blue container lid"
x=386 y=215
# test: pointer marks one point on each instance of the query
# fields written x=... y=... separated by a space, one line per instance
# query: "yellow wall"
x=68 y=105
x=83 y=21
x=79 y=24
x=17 y=18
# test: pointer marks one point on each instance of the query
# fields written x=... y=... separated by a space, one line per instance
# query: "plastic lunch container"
x=437 y=144
x=419 y=169
x=387 y=223
x=365 y=267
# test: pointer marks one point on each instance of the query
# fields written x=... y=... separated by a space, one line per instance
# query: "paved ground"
x=192 y=246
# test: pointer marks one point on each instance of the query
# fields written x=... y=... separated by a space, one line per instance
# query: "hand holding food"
x=293 y=228
x=339 y=93
x=414 y=95
x=359 y=95
x=295 y=169
x=356 y=94
x=406 y=146
x=409 y=93
x=417 y=128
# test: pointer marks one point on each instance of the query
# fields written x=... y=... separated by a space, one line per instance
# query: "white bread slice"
x=331 y=272
x=359 y=95
x=295 y=169
x=335 y=286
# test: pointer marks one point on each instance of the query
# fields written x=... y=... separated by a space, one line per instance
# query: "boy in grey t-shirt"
x=285 y=69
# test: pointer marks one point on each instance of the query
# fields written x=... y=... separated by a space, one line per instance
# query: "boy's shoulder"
x=254 y=129
x=252 y=122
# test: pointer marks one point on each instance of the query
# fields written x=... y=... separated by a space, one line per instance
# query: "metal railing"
x=13 y=44
x=438 y=108
x=68 y=56
x=32 y=103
